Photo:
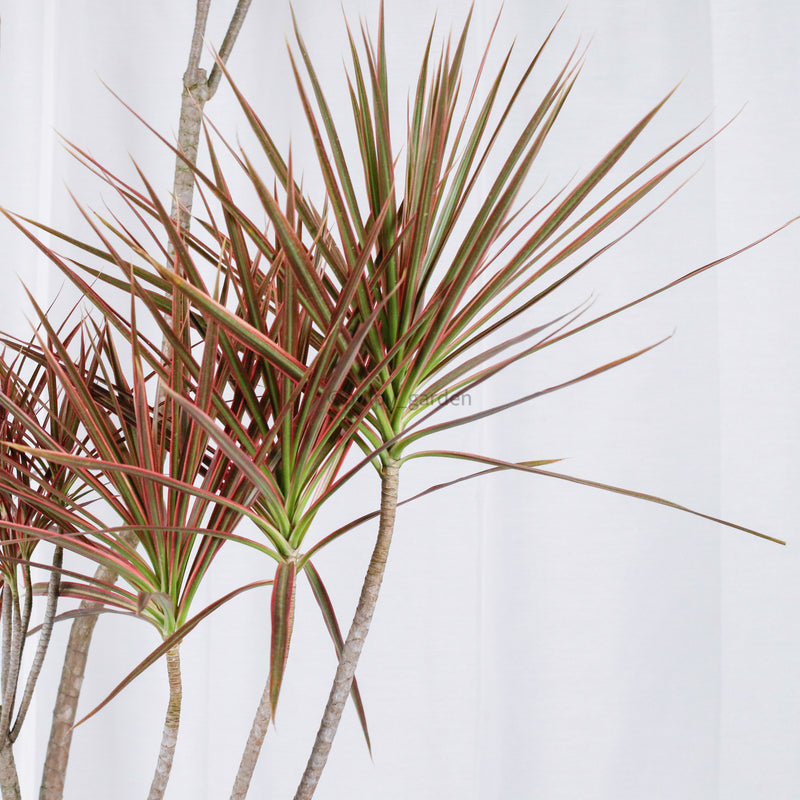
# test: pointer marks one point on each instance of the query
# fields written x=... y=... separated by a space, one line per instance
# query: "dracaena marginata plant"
x=441 y=280
x=426 y=277
x=321 y=332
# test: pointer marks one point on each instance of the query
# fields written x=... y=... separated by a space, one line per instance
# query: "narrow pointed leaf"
x=282 y=611
x=650 y=498
x=167 y=644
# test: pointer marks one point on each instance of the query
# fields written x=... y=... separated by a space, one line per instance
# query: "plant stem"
x=171 y=722
x=44 y=641
x=6 y=638
x=9 y=780
x=356 y=636
x=66 y=705
x=15 y=629
x=258 y=730
x=193 y=99
x=27 y=608
x=237 y=20
x=197 y=91
x=15 y=657
x=69 y=691
x=196 y=48
x=253 y=747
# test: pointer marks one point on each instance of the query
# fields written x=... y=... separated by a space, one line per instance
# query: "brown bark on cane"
x=69 y=691
x=355 y=638
x=252 y=749
x=9 y=780
x=172 y=721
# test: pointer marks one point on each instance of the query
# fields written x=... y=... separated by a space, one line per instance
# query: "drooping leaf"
x=282 y=612
x=332 y=624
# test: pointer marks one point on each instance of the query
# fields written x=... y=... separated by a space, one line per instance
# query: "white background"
x=533 y=639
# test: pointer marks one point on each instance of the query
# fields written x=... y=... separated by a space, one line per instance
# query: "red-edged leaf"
x=282 y=610
x=520 y=400
x=430 y=490
x=79 y=612
x=246 y=333
x=606 y=487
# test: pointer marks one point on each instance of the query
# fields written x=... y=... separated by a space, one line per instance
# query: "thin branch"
x=196 y=50
x=227 y=44
x=171 y=724
x=255 y=740
x=6 y=616
x=28 y=609
x=44 y=641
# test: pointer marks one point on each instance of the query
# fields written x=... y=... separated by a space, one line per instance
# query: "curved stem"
x=171 y=723
x=6 y=639
x=196 y=48
x=355 y=638
x=253 y=747
x=28 y=607
x=44 y=641
x=15 y=658
x=237 y=20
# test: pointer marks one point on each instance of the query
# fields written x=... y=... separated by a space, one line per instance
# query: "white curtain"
x=534 y=639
